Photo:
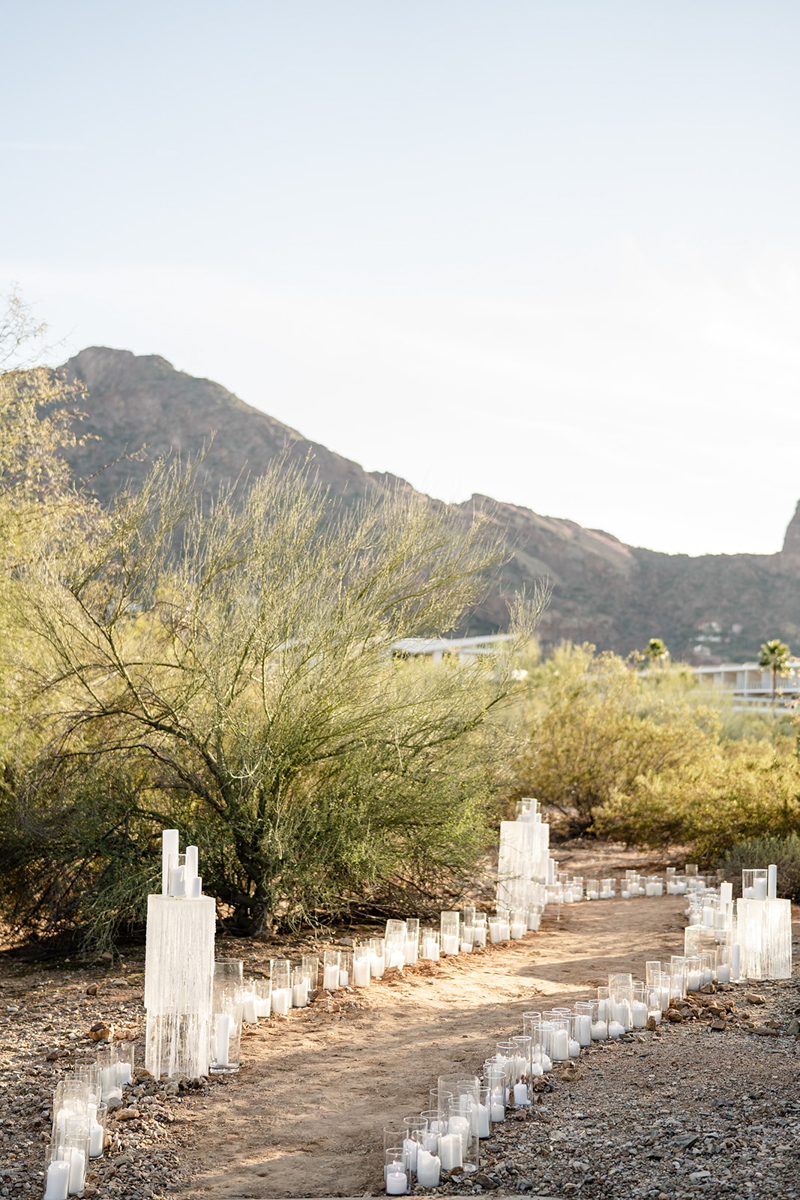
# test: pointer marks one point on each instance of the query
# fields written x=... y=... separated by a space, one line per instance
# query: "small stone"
x=674 y=1015
x=708 y=989
x=652 y=1024
x=719 y=1026
x=91 y=989
x=570 y=1074
x=100 y=1031
x=794 y=1027
x=54 y=1055
x=484 y=1181
x=685 y=1140
x=765 y=1031
x=755 y=998
x=699 y=1176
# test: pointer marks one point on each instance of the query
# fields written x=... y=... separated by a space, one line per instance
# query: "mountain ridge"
x=706 y=608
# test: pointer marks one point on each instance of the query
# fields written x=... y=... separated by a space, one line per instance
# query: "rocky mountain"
x=707 y=609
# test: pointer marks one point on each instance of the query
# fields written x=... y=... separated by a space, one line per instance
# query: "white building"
x=466 y=649
x=750 y=683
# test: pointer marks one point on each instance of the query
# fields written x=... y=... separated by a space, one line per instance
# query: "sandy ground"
x=304 y=1117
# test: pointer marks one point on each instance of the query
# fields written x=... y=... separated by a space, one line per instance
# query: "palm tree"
x=657 y=652
x=775 y=656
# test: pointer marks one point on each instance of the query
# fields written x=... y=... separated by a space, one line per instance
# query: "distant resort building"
x=751 y=685
x=465 y=649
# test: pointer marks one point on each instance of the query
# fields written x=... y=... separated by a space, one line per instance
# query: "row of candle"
x=80 y=1109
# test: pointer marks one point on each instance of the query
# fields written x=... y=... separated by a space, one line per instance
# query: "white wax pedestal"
x=330 y=978
x=361 y=972
x=281 y=1001
x=428 y=1169
x=178 y=977
x=484 y=1122
x=57 y=1184
x=95 y=1140
x=396 y=1183
x=521 y=1095
x=615 y=1029
x=451 y=1152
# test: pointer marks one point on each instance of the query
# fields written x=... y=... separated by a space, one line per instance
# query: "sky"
x=547 y=252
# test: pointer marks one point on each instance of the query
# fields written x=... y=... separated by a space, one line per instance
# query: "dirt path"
x=304 y=1116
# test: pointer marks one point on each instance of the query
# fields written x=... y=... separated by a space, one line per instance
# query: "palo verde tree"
x=229 y=669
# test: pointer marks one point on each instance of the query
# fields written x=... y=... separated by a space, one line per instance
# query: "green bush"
x=760 y=852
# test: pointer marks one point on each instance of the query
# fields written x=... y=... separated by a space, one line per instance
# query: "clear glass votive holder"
x=281 y=987
x=56 y=1173
x=592 y=889
x=310 y=968
x=677 y=970
x=620 y=988
x=331 y=968
x=414 y=1138
x=226 y=1028
x=754 y=883
x=494 y=1076
x=377 y=948
x=249 y=1006
x=450 y=923
x=651 y=969
x=607 y=889
x=345 y=968
x=583 y=1023
x=436 y=1126
x=111 y=1089
x=395 y=949
x=299 y=988
x=604 y=999
x=484 y=1110
x=459 y=1124
x=411 y=947
x=599 y=1020
x=708 y=960
x=694 y=972
x=467 y=935
x=639 y=1005
x=362 y=966
x=577 y=888
x=495 y=930
x=397 y=1179
x=76 y=1143
x=263 y=991
x=429 y=944
x=518 y=925
x=559 y=1039
x=504 y=915
x=521 y=1080
x=97 y=1130
x=480 y=930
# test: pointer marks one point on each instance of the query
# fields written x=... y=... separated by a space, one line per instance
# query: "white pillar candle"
x=361 y=972
x=428 y=1169
x=483 y=1121
x=537 y=1069
x=518 y=929
x=263 y=1006
x=584 y=1024
x=281 y=1001
x=222 y=1025
x=498 y=1104
x=521 y=1095
x=759 y=888
x=560 y=1046
x=546 y=1062
x=495 y=932
x=639 y=1014
x=95 y=1140
x=191 y=862
x=772 y=882
x=411 y=951
x=615 y=1029
x=177 y=881
x=450 y=1149
x=599 y=1031
x=736 y=960
x=300 y=994
x=574 y=1048
x=57 y=1184
x=195 y=888
x=170 y=848
x=249 y=1013
x=77 y=1171
x=396 y=1183
x=344 y=978
x=461 y=1126
x=377 y=966
x=505 y=931
x=330 y=977
x=450 y=943
x=724 y=973
x=410 y=1148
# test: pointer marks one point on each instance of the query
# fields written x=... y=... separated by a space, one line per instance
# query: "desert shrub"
x=760 y=852
x=732 y=793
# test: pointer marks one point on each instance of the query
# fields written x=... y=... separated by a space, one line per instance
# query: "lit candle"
x=483 y=1120
x=521 y=1095
x=410 y=1148
x=77 y=1170
x=396 y=1182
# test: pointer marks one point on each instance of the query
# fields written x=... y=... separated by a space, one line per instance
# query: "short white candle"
x=521 y=1095
x=344 y=978
x=546 y=1062
x=450 y=943
x=77 y=1171
x=177 y=881
x=575 y=1048
x=615 y=1029
x=518 y=930
x=466 y=947
x=724 y=973
x=95 y=1140
x=639 y=1014
x=195 y=888
x=361 y=972
x=599 y=1031
x=396 y=1183
x=428 y=1169
x=759 y=888
x=57 y=1185
x=263 y=1006
x=281 y=1001
x=505 y=931
x=249 y=1013
x=693 y=981
x=560 y=1046
x=450 y=1149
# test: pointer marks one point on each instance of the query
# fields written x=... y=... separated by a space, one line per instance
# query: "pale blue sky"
x=546 y=251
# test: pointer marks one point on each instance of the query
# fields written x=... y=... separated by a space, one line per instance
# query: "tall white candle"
x=560 y=1047
x=483 y=1121
x=772 y=882
x=223 y=1025
x=95 y=1140
x=77 y=1170
x=410 y=1148
x=191 y=862
x=170 y=848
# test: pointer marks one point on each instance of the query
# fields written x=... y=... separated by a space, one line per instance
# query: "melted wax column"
x=178 y=978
